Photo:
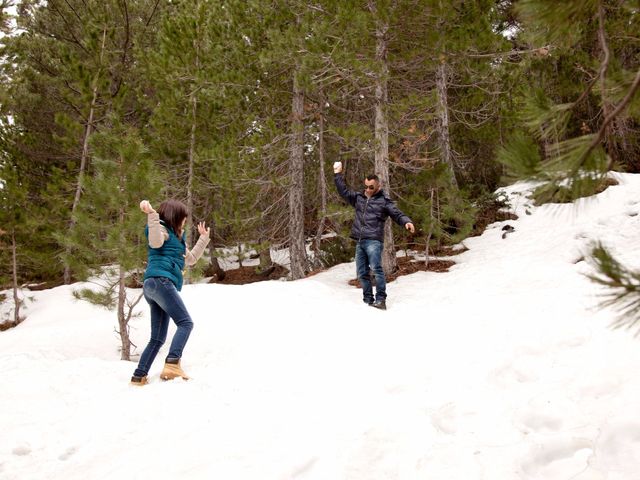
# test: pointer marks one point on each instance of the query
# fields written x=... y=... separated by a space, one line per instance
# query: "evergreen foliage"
x=581 y=118
x=240 y=107
x=580 y=110
x=622 y=287
x=442 y=213
x=109 y=224
x=109 y=240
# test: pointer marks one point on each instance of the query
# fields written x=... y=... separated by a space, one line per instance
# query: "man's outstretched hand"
x=337 y=167
x=410 y=227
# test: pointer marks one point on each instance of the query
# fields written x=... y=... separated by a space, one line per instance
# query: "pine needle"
x=622 y=288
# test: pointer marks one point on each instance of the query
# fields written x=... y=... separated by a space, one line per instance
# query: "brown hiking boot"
x=172 y=369
x=139 y=381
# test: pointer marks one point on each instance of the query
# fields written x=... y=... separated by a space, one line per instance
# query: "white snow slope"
x=500 y=369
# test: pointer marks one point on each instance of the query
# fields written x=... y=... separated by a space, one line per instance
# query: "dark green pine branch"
x=622 y=288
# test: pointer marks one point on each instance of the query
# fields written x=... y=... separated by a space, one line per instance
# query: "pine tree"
x=67 y=68
x=443 y=213
x=14 y=211
x=286 y=52
x=109 y=231
x=196 y=76
x=437 y=99
x=5 y=17
x=576 y=114
x=279 y=143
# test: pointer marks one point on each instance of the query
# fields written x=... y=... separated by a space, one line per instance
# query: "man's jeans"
x=369 y=255
x=164 y=300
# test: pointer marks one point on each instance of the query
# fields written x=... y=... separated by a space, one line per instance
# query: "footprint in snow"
x=374 y=456
x=68 y=453
x=516 y=372
x=563 y=457
x=303 y=469
x=445 y=419
x=22 y=450
x=619 y=443
x=535 y=421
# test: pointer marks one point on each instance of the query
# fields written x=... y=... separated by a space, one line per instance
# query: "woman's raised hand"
x=202 y=230
x=146 y=207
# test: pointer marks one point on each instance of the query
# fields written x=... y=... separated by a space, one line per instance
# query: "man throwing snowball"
x=372 y=209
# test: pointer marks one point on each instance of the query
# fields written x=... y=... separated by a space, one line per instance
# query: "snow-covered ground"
x=501 y=369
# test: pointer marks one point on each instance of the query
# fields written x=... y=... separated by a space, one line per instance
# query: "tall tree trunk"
x=266 y=262
x=240 y=255
x=322 y=185
x=85 y=150
x=609 y=132
x=430 y=231
x=123 y=320
x=443 y=123
x=14 y=265
x=297 y=251
x=214 y=268
x=389 y=262
x=214 y=263
x=622 y=133
x=192 y=152
x=192 y=148
x=193 y=101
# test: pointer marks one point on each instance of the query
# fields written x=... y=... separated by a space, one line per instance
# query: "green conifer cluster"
x=239 y=108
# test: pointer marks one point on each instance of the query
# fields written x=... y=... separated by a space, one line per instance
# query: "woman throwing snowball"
x=167 y=255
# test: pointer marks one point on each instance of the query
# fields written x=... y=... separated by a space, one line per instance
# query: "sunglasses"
x=369 y=187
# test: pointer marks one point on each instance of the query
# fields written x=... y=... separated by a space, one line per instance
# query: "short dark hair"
x=373 y=176
x=172 y=213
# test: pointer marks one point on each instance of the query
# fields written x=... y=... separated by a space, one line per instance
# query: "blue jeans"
x=369 y=256
x=164 y=301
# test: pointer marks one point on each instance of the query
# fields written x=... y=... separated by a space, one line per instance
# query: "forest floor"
x=493 y=212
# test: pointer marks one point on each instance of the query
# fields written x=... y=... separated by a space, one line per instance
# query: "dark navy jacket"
x=371 y=213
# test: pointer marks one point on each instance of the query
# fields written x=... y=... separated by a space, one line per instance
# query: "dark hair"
x=172 y=213
x=373 y=176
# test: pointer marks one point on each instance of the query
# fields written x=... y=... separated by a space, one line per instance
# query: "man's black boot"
x=379 y=304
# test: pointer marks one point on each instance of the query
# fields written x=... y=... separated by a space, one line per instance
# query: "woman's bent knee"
x=185 y=323
x=157 y=342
